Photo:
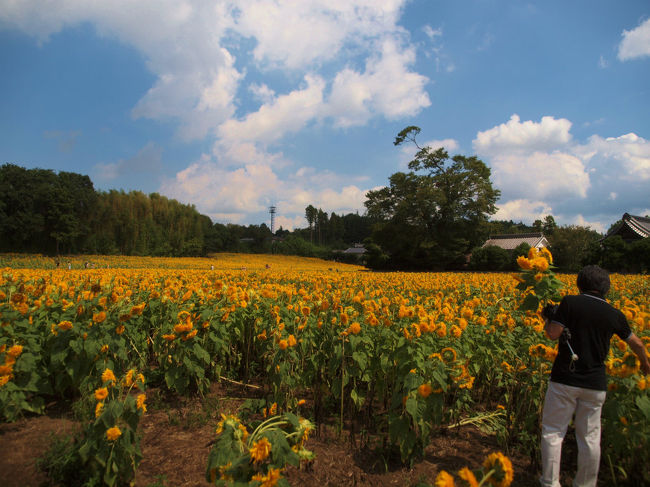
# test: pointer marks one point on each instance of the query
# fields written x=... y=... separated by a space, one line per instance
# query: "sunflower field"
x=391 y=357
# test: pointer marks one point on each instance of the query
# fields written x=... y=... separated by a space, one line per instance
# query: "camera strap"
x=566 y=336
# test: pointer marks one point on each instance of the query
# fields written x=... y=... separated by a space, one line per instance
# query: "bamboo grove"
x=391 y=358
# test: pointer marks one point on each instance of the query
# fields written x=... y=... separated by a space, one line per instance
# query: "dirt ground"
x=177 y=437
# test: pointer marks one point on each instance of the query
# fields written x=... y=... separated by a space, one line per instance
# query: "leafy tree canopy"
x=427 y=217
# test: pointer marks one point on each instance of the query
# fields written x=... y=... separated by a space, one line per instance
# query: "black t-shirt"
x=592 y=322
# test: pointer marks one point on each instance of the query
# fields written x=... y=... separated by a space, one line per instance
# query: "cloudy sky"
x=234 y=106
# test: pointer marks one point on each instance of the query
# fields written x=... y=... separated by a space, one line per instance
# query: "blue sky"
x=233 y=106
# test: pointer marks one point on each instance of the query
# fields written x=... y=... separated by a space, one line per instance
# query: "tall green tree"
x=428 y=216
x=549 y=225
x=321 y=223
x=311 y=214
x=336 y=229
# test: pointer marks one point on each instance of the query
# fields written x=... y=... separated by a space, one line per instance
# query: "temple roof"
x=631 y=227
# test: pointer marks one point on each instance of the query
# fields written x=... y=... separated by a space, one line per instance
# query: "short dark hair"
x=593 y=278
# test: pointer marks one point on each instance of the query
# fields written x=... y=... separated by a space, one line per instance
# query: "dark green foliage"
x=375 y=258
x=638 y=253
x=498 y=227
x=41 y=211
x=612 y=255
x=617 y=255
x=569 y=244
x=490 y=258
x=293 y=245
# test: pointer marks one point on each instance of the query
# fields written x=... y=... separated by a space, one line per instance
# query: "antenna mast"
x=272 y=212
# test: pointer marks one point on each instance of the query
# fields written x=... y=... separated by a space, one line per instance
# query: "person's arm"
x=553 y=329
x=638 y=348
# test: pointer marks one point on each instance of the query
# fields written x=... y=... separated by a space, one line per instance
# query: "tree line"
x=42 y=211
x=435 y=216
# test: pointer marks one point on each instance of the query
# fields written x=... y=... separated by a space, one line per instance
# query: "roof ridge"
x=516 y=235
x=637 y=217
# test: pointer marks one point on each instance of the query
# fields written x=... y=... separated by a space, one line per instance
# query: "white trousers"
x=560 y=403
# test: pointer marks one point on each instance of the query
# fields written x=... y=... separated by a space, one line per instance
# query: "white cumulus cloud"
x=548 y=134
x=532 y=159
x=540 y=175
x=540 y=169
x=635 y=43
x=223 y=194
x=285 y=114
x=386 y=87
x=522 y=210
x=294 y=34
x=628 y=155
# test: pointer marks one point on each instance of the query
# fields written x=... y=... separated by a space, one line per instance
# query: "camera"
x=565 y=336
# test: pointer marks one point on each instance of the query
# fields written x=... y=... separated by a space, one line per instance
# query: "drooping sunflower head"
x=502 y=467
x=260 y=450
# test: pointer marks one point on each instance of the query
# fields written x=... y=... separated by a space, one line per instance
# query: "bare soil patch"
x=177 y=436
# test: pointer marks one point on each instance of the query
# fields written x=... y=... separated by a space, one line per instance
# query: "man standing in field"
x=584 y=325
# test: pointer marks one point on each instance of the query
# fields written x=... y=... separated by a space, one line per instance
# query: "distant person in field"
x=584 y=325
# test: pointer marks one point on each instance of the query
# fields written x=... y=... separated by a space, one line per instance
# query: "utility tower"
x=272 y=212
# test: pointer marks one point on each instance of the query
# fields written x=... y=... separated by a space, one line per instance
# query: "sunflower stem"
x=486 y=477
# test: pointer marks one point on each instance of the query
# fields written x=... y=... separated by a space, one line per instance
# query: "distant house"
x=353 y=252
x=631 y=228
x=357 y=250
x=512 y=240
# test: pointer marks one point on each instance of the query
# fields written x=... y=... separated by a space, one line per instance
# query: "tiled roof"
x=512 y=241
x=638 y=224
x=631 y=227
